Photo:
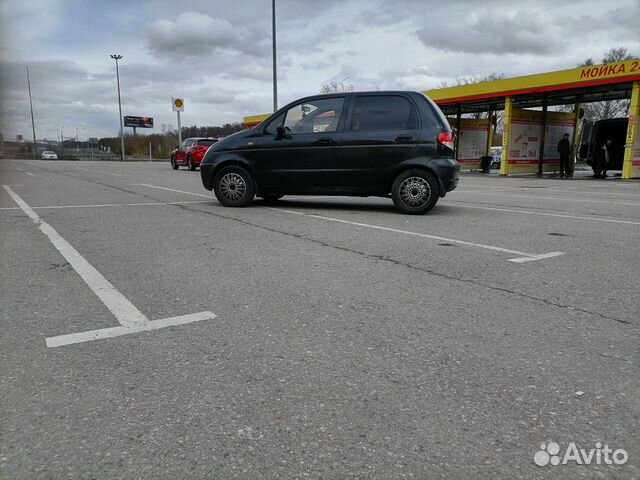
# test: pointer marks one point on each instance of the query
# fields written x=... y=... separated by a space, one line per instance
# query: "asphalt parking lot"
x=317 y=337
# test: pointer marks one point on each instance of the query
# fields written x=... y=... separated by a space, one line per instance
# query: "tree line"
x=163 y=143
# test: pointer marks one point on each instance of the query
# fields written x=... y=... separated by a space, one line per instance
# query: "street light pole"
x=116 y=58
x=33 y=124
x=275 y=73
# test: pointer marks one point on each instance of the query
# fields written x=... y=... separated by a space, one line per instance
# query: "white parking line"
x=101 y=172
x=131 y=319
x=143 y=204
x=526 y=212
x=172 y=190
x=609 y=193
x=522 y=256
x=536 y=197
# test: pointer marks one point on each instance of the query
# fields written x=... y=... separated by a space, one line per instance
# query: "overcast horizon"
x=217 y=55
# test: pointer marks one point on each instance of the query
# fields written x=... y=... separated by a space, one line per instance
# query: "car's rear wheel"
x=190 y=163
x=174 y=165
x=415 y=192
x=233 y=187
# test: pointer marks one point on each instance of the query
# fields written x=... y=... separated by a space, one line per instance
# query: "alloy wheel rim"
x=415 y=192
x=233 y=187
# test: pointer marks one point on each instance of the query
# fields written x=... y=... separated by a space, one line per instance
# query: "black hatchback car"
x=353 y=144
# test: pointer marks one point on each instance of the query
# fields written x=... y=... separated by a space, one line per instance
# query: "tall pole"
x=179 y=129
x=33 y=124
x=275 y=72
x=122 y=155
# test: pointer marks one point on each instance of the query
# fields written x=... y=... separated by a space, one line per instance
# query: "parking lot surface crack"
x=396 y=262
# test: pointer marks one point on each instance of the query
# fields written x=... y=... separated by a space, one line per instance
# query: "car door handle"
x=325 y=141
x=403 y=138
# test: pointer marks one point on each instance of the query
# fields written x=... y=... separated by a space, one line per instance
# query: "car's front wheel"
x=415 y=191
x=174 y=165
x=190 y=164
x=233 y=187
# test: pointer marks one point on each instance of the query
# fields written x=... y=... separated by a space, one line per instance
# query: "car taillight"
x=446 y=139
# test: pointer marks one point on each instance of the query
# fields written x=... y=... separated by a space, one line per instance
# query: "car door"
x=381 y=131
x=294 y=160
x=181 y=154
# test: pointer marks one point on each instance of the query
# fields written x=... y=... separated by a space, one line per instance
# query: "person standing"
x=564 y=149
x=604 y=157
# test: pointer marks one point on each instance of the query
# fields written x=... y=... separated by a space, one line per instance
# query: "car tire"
x=234 y=187
x=174 y=165
x=190 y=164
x=271 y=198
x=415 y=192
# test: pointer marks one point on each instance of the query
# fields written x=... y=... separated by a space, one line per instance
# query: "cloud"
x=217 y=54
x=193 y=34
x=521 y=31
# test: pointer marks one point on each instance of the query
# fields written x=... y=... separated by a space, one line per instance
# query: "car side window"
x=274 y=124
x=314 y=116
x=383 y=112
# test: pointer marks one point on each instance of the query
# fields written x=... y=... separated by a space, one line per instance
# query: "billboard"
x=140 y=122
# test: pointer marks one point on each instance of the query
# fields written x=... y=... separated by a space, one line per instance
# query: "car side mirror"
x=177 y=147
x=280 y=132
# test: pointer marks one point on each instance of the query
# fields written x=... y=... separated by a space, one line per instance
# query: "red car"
x=191 y=152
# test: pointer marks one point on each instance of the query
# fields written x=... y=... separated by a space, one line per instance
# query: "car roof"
x=363 y=92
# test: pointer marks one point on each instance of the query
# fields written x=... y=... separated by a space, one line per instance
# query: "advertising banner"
x=526 y=137
x=138 y=122
x=631 y=167
x=558 y=124
x=472 y=141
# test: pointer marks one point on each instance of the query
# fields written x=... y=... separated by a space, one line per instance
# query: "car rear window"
x=206 y=143
x=383 y=112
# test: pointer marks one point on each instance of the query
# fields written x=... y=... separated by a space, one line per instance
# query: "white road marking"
x=101 y=172
x=519 y=189
x=577 y=217
x=531 y=256
x=536 y=197
x=536 y=257
x=111 y=332
x=617 y=194
x=144 y=204
x=172 y=190
x=130 y=318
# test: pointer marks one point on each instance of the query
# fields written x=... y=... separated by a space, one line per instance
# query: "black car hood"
x=232 y=141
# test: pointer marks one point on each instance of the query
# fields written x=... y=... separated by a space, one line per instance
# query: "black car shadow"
x=338 y=204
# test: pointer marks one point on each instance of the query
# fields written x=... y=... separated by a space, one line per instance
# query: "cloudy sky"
x=217 y=53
